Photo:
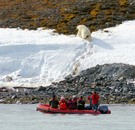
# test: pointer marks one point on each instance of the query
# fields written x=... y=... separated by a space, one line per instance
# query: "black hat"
x=54 y=96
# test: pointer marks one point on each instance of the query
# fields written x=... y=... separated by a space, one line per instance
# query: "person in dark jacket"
x=54 y=102
x=89 y=107
x=81 y=103
x=74 y=99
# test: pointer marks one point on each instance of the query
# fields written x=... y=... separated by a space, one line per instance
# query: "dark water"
x=25 y=117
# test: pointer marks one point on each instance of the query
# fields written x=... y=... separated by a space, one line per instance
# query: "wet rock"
x=13 y=97
x=40 y=88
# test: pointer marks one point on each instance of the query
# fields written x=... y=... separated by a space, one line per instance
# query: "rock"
x=113 y=82
x=13 y=97
x=8 y=79
x=18 y=102
x=40 y=88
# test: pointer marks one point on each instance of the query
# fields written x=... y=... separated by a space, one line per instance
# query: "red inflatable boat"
x=47 y=109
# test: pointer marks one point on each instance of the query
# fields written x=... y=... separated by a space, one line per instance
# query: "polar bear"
x=83 y=32
x=76 y=68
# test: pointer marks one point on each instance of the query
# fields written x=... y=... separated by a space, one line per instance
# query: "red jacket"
x=95 y=98
x=63 y=104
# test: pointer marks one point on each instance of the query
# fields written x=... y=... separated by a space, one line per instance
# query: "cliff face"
x=65 y=15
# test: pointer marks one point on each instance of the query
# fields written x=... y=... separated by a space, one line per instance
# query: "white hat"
x=62 y=97
x=74 y=96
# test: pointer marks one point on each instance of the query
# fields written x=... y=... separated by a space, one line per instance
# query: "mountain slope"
x=65 y=15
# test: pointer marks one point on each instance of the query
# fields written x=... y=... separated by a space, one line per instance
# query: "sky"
x=39 y=57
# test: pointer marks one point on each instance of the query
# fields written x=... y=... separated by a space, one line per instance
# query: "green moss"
x=42 y=23
x=108 y=19
x=97 y=6
x=108 y=12
x=62 y=28
x=33 y=24
x=69 y=16
x=93 y=28
x=123 y=2
x=94 y=13
x=96 y=10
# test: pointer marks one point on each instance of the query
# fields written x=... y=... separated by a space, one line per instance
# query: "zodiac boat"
x=47 y=109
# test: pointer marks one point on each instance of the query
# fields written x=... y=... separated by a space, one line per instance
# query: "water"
x=25 y=117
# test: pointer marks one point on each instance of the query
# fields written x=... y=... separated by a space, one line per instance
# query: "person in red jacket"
x=95 y=100
x=70 y=103
x=62 y=103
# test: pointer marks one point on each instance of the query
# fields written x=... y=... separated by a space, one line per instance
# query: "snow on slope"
x=34 y=58
x=37 y=57
x=113 y=45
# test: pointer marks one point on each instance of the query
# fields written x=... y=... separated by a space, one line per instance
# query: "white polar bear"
x=83 y=32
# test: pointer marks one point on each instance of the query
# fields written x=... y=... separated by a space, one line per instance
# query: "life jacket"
x=90 y=98
x=75 y=103
x=95 y=98
x=71 y=104
x=63 y=104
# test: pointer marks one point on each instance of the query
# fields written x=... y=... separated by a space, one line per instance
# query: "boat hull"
x=47 y=109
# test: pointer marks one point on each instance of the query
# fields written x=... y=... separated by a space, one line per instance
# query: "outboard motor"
x=103 y=109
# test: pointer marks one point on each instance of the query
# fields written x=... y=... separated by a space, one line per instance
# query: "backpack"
x=103 y=109
x=80 y=106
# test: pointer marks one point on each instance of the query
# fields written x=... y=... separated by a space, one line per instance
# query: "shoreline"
x=39 y=95
x=112 y=89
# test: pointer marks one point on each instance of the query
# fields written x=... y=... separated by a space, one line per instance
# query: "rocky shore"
x=114 y=83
